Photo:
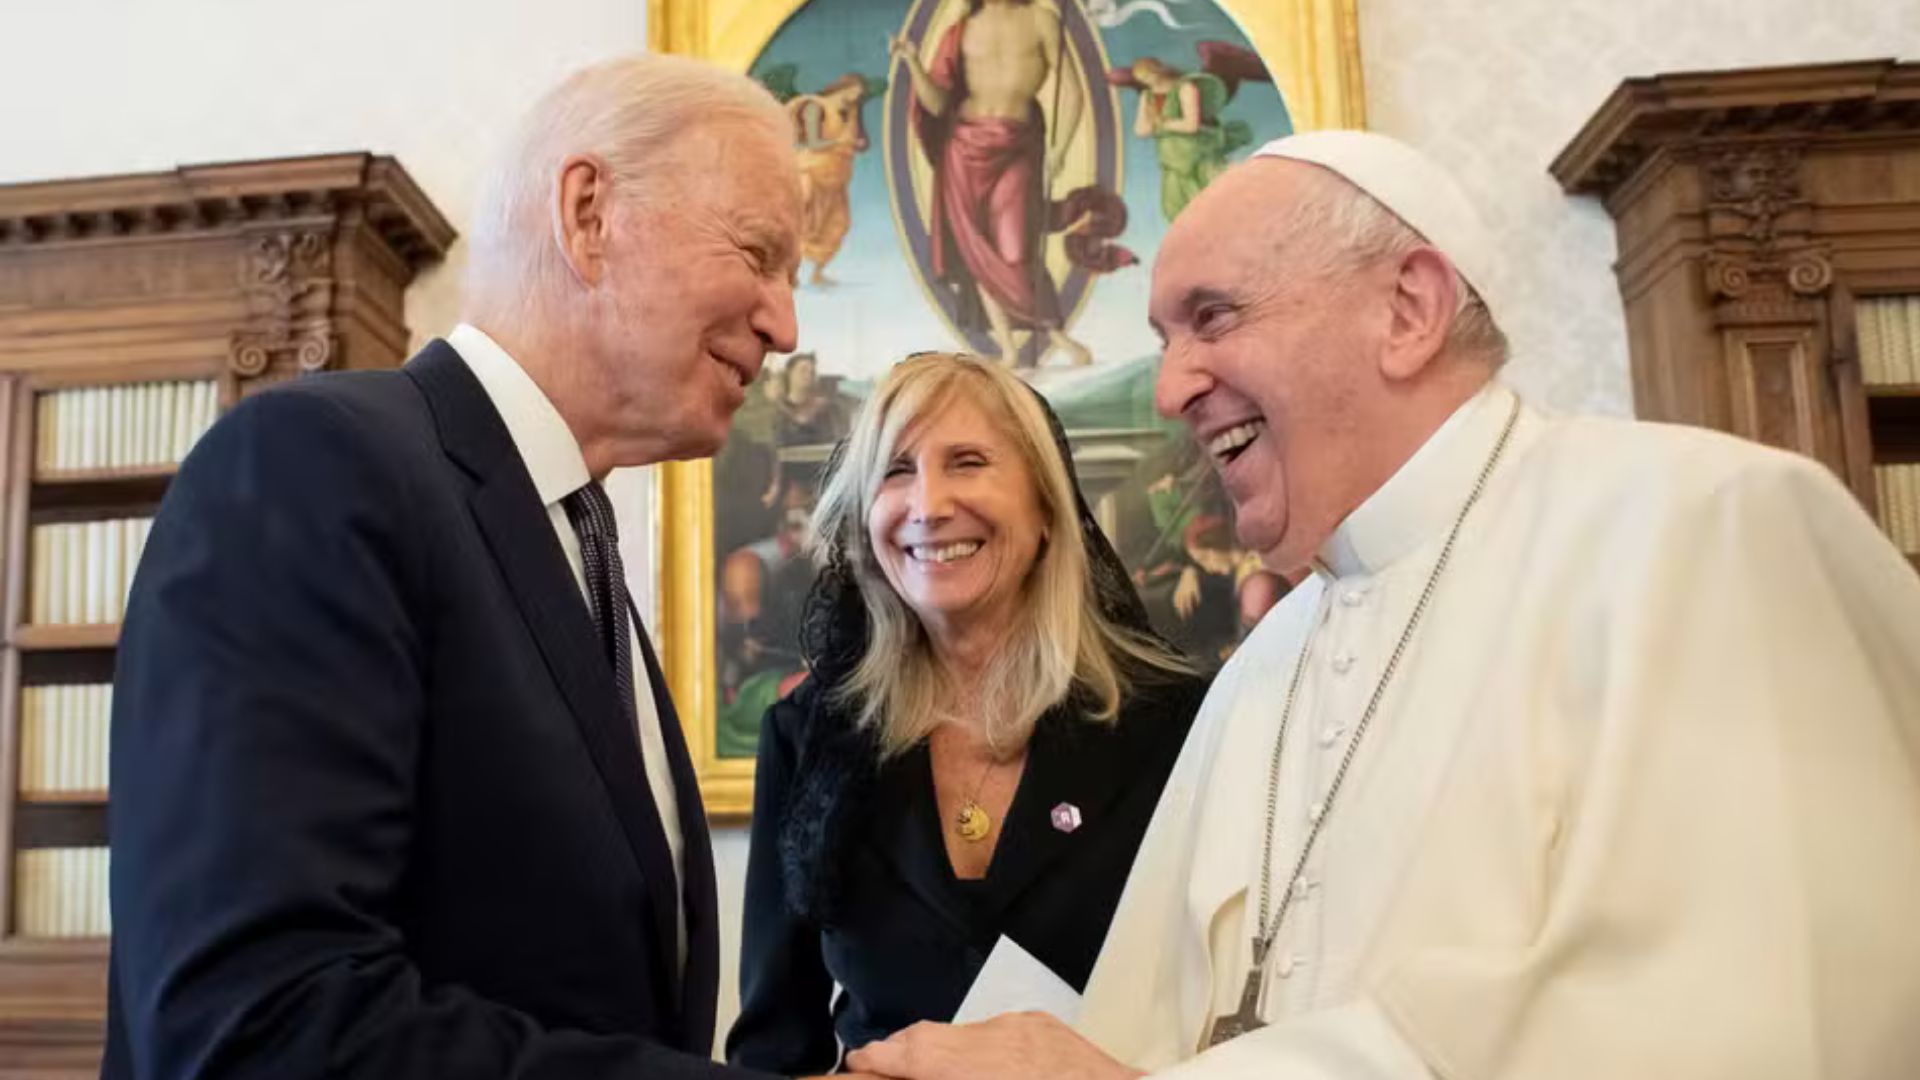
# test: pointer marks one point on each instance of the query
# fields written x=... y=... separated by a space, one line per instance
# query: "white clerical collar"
x=1420 y=500
x=545 y=442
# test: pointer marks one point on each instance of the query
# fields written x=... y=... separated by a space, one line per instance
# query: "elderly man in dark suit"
x=398 y=788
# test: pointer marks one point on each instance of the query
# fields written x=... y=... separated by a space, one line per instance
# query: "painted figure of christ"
x=978 y=114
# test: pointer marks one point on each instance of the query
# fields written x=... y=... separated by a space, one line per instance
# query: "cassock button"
x=1287 y=965
x=1332 y=734
x=1343 y=663
x=1316 y=812
x=1066 y=817
x=1353 y=597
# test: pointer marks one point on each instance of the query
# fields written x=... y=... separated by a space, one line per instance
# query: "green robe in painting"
x=1190 y=160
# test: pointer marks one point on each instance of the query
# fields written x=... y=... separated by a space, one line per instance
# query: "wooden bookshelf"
x=133 y=310
x=82 y=488
x=61 y=824
x=1769 y=254
x=1893 y=416
x=64 y=798
x=52 y=638
x=149 y=474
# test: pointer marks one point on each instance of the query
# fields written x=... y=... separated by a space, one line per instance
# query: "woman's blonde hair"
x=1064 y=642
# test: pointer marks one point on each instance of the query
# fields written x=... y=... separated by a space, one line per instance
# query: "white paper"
x=1013 y=981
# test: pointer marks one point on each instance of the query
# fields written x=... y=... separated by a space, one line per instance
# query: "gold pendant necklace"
x=973 y=823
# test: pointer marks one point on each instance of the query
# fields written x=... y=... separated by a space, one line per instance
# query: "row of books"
x=1898 y=488
x=82 y=570
x=1889 y=328
x=61 y=893
x=121 y=427
x=63 y=738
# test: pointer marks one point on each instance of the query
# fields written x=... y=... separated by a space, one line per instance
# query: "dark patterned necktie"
x=591 y=513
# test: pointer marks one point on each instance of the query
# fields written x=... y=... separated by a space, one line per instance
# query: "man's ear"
x=1421 y=311
x=582 y=215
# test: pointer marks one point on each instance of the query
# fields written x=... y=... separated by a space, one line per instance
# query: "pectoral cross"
x=1247 y=1017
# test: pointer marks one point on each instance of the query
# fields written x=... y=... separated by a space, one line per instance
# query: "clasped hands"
x=1013 y=1046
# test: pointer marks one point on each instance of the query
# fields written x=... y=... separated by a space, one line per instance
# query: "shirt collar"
x=545 y=442
x=1420 y=499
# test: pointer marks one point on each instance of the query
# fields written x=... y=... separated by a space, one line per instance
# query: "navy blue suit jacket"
x=375 y=809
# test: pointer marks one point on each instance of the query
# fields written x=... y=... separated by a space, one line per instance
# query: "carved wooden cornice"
x=1750 y=209
x=290 y=229
x=203 y=198
x=1688 y=110
x=1762 y=263
x=1756 y=191
x=287 y=279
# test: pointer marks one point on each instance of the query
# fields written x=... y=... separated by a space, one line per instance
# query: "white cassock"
x=1643 y=800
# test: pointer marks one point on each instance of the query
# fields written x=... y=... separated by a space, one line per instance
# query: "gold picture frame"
x=1311 y=48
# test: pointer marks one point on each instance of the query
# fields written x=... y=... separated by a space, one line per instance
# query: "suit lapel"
x=520 y=536
x=700 y=983
x=1070 y=763
x=907 y=835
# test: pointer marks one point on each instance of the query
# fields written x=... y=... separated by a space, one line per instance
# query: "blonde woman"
x=981 y=741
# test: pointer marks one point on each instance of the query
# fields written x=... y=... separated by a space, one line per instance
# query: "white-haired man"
x=1590 y=749
x=398 y=789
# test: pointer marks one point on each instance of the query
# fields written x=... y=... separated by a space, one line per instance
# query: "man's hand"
x=1014 y=1046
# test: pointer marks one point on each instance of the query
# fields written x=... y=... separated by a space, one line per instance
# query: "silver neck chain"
x=1266 y=931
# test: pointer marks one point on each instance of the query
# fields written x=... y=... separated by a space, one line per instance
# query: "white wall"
x=1493 y=88
x=112 y=86
x=102 y=86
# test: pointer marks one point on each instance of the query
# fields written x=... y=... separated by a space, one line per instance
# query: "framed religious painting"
x=994 y=177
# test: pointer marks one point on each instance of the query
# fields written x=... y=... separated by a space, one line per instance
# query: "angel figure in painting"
x=828 y=133
x=1180 y=112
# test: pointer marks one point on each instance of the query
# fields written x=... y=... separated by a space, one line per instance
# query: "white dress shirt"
x=554 y=461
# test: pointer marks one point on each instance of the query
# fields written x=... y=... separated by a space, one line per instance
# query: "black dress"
x=870 y=900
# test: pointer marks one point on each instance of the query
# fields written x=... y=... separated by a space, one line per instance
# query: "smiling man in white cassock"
x=1589 y=749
